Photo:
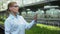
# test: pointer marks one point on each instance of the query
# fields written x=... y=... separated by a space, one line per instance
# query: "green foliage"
x=43 y=29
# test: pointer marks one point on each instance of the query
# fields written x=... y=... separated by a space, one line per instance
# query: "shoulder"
x=8 y=20
x=21 y=16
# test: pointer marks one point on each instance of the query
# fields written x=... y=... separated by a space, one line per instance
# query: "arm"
x=28 y=25
x=7 y=27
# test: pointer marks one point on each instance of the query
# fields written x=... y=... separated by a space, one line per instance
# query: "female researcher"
x=15 y=24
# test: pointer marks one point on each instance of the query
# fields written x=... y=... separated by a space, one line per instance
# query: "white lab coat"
x=16 y=25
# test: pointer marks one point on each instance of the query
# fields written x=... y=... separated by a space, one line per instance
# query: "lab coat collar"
x=12 y=16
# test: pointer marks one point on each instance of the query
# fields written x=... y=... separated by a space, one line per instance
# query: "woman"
x=15 y=24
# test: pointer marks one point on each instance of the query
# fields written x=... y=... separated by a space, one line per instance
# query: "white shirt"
x=16 y=25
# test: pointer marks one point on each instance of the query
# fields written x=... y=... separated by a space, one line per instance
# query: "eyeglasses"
x=15 y=6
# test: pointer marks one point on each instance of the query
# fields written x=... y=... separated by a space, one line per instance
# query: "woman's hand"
x=35 y=17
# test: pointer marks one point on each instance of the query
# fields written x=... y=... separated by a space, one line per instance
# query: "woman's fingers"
x=35 y=17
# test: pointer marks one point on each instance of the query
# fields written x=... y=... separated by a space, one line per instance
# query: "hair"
x=11 y=4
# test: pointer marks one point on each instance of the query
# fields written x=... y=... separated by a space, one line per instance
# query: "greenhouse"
x=48 y=18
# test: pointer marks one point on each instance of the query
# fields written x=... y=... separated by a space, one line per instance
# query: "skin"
x=14 y=10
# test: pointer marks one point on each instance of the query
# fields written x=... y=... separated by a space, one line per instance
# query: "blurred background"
x=48 y=21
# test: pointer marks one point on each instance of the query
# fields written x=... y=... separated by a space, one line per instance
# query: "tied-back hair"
x=10 y=4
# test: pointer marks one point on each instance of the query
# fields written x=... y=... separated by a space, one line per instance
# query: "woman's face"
x=14 y=8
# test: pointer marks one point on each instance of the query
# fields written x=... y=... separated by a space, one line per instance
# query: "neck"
x=15 y=14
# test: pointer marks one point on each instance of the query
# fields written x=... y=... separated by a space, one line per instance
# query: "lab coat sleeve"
x=7 y=27
x=28 y=25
